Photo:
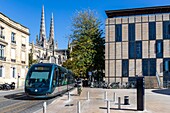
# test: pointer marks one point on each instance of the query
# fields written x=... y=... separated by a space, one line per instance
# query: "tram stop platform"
x=156 y=101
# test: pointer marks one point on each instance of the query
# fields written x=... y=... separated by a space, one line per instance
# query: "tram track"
x=21 y=103
x=3 y=99
x=19 y=107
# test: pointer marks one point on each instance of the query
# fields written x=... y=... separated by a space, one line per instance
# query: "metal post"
x=18 y=81
x=44 y=107
x=69 y=96
x=78 y=107
x=88 y=95
x=105 y=95
x=119 y=103
x=108 y=106
x=114 y=96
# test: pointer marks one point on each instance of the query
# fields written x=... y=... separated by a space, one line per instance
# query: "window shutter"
x=23 y=40
x=22 y=73
x=12 y=53
x=23 y=56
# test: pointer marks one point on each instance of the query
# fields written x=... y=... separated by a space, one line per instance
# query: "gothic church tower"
x=42 y=36
x=42 y=39
x=51 y=36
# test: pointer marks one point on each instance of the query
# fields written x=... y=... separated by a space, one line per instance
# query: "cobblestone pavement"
x=156 y=101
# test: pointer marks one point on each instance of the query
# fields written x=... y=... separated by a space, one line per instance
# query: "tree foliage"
x=87 y=44
x=31 y=60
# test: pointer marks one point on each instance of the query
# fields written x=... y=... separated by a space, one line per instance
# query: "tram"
x=47 y=80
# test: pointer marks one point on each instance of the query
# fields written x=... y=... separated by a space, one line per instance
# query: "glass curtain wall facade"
x=138 y=45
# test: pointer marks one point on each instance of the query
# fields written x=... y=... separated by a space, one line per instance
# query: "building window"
x=152 y=30
x=149 y=67
x=1 y=71
x=2 y=57
x=169 y=29
x=159 y=49
x=131 y=50
x=118 y=32
x=138 y=49
x=13 y=37
x=125 y=68
x=2 y=33
x=166 y=29
x=166 y=65
x=1 y=50
x=131 y=32
x=135 y=50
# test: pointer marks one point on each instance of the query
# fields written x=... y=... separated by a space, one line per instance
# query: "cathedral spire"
x=42 y=29
x=51 y=37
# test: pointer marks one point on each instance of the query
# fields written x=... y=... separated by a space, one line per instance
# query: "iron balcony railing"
x=3 y=58
x=13 y=41
x=1 y=36
x=13 y=60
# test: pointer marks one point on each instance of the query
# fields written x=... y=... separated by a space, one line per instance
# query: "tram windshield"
x=38 y=76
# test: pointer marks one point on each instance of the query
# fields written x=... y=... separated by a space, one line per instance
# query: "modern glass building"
x=138 y=44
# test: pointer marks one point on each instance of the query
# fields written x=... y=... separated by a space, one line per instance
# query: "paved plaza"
x=156 y=101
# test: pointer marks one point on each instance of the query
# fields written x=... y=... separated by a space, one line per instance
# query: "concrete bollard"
x=44 y=107
x=78 y=107
x=114 y=97
x=69 y=96
x=108 y=106
x=88 y=95
x=119 y=103
x=105 y=95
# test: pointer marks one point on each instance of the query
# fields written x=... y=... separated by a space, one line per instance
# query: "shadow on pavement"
x=18 y=96
x=23 y=96
x=119 y=109
x=162 y=91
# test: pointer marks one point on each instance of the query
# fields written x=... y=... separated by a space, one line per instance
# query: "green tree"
x=88 y=44
x=31 y=60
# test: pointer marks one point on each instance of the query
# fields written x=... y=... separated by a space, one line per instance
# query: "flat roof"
x=137 y=11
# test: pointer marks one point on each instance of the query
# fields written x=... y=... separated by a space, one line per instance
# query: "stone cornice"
x=14 y=24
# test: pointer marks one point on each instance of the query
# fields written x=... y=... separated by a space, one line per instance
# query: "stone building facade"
x=138 y=44
x=14 y=48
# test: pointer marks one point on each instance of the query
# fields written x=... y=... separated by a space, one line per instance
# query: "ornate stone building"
x=14 y=48
x=46 y=49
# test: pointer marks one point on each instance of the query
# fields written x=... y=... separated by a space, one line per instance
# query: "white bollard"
x=114 y=97
x=78 y=107
x=108 y=106
x=44 y=107
x=69 y=96
x=88 y=95
x=105 y=95
x=119 y=103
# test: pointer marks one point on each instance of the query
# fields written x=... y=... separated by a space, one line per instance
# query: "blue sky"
x=28 y=13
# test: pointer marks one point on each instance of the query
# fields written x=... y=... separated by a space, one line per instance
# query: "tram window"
x=55 y=78
x=59 y=77
x=38 y=75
